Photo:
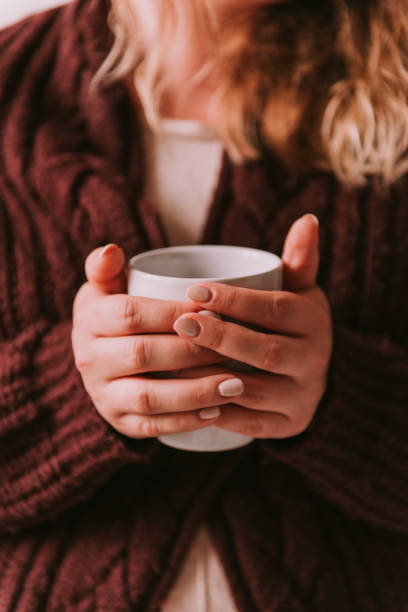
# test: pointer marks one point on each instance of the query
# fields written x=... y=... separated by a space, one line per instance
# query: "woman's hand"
x=119 y=339
x=292 y=357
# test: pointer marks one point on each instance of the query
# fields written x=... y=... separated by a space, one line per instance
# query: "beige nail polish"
x=211 y=313
x=187 y=327
x=209 y=413
x=199 y=293
x=231 y=387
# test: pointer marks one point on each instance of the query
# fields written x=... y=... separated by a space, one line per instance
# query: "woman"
x=310 y=105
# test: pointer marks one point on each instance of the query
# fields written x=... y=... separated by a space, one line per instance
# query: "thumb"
x=301 y=254
x=105 y=269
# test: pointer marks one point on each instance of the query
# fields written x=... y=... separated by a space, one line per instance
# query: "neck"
x=184 y=95
x=188 y=91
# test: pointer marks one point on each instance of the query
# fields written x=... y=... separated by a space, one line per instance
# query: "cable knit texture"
x=93 y=521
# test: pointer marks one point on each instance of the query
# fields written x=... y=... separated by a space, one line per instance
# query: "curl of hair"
x=324 y=85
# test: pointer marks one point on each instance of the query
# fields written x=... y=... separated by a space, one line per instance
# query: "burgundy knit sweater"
x=93 y=521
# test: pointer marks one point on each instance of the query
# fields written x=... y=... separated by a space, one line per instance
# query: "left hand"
x=292 y=358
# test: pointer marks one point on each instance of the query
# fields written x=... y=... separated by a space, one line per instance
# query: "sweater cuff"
x=354 y=452
x=55 y=448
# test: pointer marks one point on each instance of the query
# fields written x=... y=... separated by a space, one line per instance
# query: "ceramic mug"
x=167 y=274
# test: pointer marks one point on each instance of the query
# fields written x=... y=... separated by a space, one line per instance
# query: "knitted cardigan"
x=91 y=520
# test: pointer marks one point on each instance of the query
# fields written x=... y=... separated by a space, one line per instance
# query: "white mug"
x=168 y=273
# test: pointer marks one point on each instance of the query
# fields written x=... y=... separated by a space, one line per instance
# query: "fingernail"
x=199 y=293
x=231 y=387
x=187 y=327
x=210 y=313
x=109 y=248
x=314 y=218
x=210 y=413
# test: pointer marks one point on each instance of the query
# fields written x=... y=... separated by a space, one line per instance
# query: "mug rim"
x=275 y=260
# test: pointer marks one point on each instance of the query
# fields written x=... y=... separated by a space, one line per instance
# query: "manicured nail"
x=210 y=313
x=210 y=413
x=231 y=387
x=199 y=293
x=187 y=327
x=109 y=248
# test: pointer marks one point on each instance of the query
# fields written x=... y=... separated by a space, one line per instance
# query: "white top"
x=183 y=164
x=184 y=161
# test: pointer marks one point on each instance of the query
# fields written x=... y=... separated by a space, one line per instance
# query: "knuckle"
x=80 y=363
x=96 y=392
x=272 y=355
x=201 y=393
x=137 y=354
x=126 y=423
x=274 y=308
x=187 y=349
x=194 y=350
x=229 y=299
x=149 y=428
x=142 y=403
x=217 y=338
x=129 y=312
x=174 y=311
x=81 y=359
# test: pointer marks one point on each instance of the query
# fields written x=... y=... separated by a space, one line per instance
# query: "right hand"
x=118 y=339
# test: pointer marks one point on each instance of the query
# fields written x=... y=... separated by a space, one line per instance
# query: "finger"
x=122 y=314
x=270 y=352
x=300 y=255
x=258 y=424
x=146 y=397
x=105 y=269
x=263 y=391
x=127 y=355
x=136 y=426
x=279 y=311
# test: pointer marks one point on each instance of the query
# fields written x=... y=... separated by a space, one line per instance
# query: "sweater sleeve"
x=355 y=451
x=55 y=449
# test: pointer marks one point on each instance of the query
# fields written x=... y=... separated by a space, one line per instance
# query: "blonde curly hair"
x=324 y=85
